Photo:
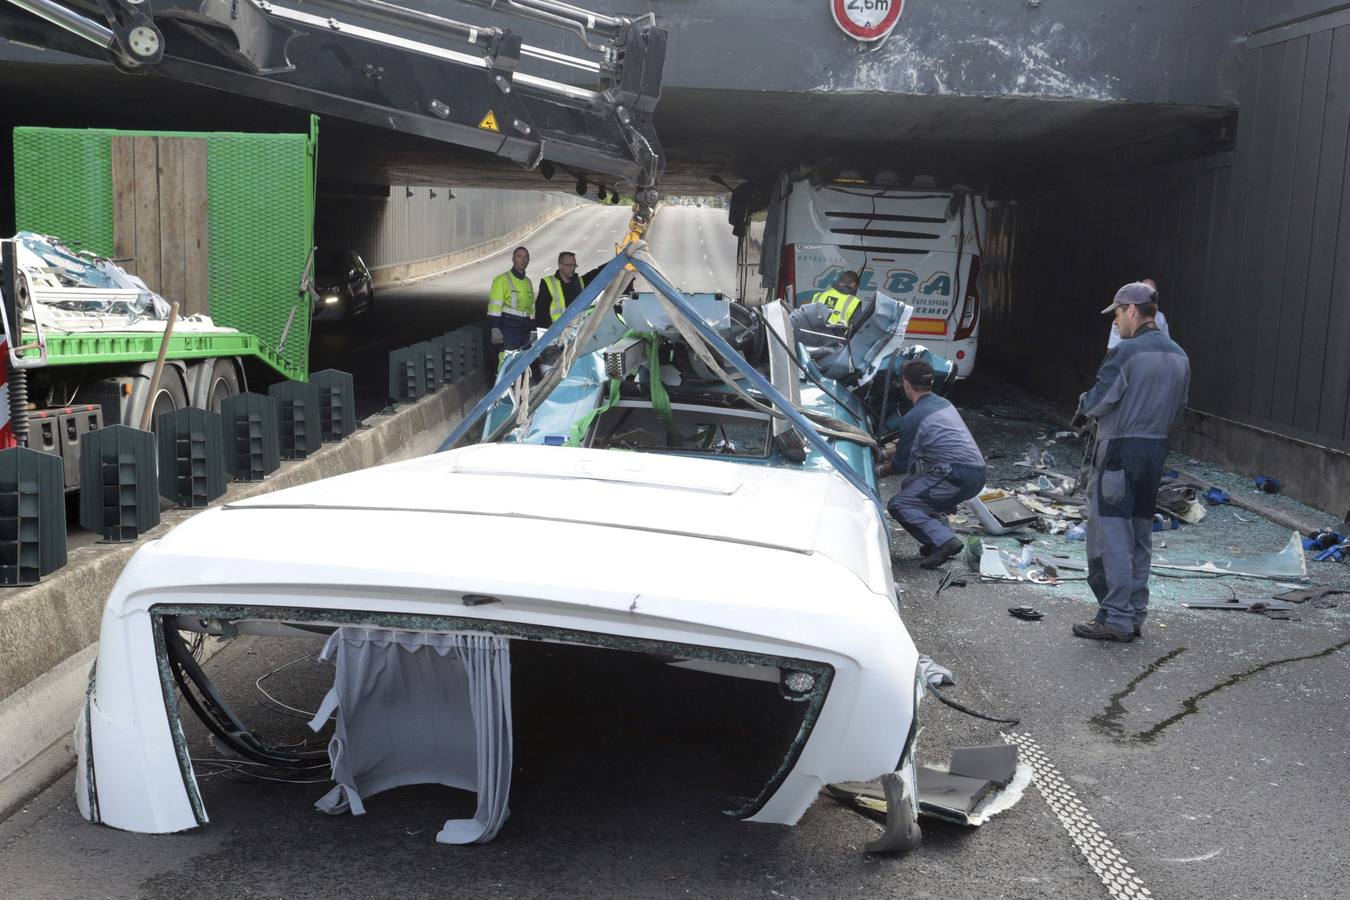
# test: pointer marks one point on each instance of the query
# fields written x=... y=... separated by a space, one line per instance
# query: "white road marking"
x=1191 y=859
x=1106 y=861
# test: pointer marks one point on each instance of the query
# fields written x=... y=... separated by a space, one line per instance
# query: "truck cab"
x=919 y=246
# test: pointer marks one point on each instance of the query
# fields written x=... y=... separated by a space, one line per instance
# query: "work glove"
x=497 y=339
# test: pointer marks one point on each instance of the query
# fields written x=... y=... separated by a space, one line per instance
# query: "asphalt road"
x=694 y=246
x=1207 y=759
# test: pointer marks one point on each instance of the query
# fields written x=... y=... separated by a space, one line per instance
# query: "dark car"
x=342 y=285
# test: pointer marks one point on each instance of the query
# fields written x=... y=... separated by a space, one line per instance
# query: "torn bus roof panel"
x=401 y=546
x=796 y=510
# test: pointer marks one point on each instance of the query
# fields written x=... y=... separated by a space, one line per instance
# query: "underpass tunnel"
x=1236 y=206
x=1202 y=145
x=1241 y=221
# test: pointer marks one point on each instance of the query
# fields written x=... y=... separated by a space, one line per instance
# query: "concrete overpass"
x=977 y=91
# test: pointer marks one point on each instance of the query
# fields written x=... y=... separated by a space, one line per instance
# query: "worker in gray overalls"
x=1141 y=390
x=944 y=466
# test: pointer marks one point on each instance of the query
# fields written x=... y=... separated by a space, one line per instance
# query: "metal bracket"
x=137 y=40
x=14 y=335
x=902 y=826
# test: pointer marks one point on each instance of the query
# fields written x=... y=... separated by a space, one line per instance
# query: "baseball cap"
x=1134 y=292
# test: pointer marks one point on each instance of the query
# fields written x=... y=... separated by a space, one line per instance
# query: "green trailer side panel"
x=106 y=347
x=261 y=224
x=261 y=227
x=63 y=186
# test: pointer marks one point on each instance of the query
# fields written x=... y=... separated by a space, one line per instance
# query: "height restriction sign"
x=866 y=20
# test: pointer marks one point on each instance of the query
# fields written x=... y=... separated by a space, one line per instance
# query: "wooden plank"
x=196 y=240
x=147 y=210
x=171 y=280
x=124 y=198
x=1317 y=354
x=1289 y=313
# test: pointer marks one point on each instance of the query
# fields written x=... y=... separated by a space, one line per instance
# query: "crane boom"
x=434 y=76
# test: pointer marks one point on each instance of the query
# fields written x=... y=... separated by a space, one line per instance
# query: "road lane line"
x=1106 y=861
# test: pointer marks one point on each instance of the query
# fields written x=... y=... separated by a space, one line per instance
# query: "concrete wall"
x=411 y=226
x=1055 y=259
x=1153 y=52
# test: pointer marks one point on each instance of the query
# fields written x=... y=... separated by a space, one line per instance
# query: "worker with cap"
x=943 y=464
x=557 y=291
x=511 y=304
x=1140 y=392
x=1160 y=320
x=841 y=298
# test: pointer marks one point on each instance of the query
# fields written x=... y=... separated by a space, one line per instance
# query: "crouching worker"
x=944 y=467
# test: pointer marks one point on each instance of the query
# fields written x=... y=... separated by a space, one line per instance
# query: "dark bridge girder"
x=982 y=92
x=734 y=134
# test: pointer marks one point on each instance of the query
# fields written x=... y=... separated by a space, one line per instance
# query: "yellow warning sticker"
x=489 y=123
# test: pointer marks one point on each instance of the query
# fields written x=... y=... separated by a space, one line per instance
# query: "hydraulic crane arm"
x=394 y=67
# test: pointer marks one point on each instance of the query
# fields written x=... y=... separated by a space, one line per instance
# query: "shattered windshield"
x=687 y=428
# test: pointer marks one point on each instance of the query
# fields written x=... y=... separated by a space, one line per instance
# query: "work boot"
x=1096 y=631
x=1138 y=631
x=941 y=554
x=925 y=549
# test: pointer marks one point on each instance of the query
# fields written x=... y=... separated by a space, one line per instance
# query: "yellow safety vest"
x=558 y=301
x=843 y=305
x=511 y=296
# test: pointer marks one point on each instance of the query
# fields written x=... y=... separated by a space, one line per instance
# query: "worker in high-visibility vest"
x=842 y=299
x=557 y=291
x=511 y=304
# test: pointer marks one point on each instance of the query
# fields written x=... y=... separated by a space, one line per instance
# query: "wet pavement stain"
x=1109 y=719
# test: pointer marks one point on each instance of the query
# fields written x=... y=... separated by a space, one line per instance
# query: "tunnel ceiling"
x=734 y=134
x=981 y=91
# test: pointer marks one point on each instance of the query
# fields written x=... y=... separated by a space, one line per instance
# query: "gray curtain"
x=419 y=708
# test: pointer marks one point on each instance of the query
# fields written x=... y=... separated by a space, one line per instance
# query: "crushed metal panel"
x=994 y=762
x=783 y=371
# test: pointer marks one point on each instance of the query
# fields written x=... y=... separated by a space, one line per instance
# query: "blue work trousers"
x=516 y=333
x=923 y=501
x=1122 y=495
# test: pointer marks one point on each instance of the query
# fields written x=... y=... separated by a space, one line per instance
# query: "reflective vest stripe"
x=510 y=296
x=842 y=305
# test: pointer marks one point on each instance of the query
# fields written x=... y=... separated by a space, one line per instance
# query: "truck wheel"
x=170 y=396
x=224 y=383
